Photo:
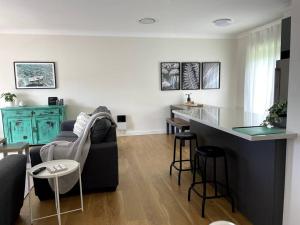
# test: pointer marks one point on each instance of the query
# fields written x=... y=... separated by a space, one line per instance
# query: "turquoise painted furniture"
x=35 y=124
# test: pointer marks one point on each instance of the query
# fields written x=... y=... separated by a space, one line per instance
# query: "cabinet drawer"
x=17 y=113
x=45 y=112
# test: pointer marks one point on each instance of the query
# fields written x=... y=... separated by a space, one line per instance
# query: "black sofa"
x=100 y=172
x=12 y=183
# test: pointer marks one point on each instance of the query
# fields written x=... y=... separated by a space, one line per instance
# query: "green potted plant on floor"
x=9 y=98
x=277 y=115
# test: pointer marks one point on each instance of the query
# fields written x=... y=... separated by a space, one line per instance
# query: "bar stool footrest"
x=210 y=182
x=177 y=161
x=209 y=197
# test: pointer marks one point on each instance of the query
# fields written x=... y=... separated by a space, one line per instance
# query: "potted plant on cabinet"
x=277 y=115
x=9 y=98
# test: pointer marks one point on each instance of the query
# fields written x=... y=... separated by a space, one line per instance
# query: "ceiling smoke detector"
x=223 y=22
x=147 y=20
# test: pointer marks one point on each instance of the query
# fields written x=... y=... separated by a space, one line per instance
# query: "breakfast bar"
x=256 y=161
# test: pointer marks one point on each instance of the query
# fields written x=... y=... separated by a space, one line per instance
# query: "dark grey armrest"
x=111 y=135
x=67 y=125
x=12 y=181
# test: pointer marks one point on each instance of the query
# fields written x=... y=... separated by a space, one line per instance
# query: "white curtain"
x=262 y=52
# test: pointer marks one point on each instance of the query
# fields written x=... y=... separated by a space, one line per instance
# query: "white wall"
x=292 y=183
x=121 y=73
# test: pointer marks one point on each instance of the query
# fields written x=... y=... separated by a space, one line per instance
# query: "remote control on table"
x=37 y=171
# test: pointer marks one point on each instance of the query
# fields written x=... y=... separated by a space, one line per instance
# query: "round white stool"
x=221 y=222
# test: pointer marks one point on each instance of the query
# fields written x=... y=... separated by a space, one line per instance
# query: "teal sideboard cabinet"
x=35 y=124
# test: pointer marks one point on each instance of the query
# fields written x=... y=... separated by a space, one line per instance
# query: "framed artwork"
x=35 y=75
x=211 y=75
x=190 y=76
x=170 y=76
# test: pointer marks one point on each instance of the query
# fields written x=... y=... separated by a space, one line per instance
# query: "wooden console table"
x=17 y=147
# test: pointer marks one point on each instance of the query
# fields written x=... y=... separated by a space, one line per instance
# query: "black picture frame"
x=190 y=75
x=212 y=71
x=35 y=75
x=168 y=72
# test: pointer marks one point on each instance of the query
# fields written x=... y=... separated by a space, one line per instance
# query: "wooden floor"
x=146 y=195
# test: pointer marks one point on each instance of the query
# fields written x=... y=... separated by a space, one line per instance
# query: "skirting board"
x=139 y=132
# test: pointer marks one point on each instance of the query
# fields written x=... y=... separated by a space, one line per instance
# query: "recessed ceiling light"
x=224 y=22
x=147 y=20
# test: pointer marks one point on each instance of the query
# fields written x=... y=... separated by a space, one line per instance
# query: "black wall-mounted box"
x=121 y=118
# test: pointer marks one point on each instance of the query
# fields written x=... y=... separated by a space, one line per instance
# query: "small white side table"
x=72 y=166
x=221 y=222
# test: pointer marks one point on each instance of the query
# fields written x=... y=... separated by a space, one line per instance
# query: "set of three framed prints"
x=190 y=75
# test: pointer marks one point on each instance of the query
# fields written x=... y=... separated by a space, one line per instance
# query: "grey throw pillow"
x=101 y=109
x=100 y=130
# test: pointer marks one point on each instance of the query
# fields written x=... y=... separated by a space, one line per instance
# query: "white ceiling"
x=176 y=18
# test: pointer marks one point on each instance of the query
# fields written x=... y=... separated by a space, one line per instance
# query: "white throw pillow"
x=80 y=124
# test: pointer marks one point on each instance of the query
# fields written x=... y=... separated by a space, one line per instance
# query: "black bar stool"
x=212 y=152
x=182 y=137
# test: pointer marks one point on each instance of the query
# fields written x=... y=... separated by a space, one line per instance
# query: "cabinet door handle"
x=24 y=137
x=50 y=124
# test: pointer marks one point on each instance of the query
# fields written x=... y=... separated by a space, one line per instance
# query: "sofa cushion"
x=66 y=136
x=100 y=130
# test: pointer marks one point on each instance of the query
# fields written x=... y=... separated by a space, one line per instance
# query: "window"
x=262 y=52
